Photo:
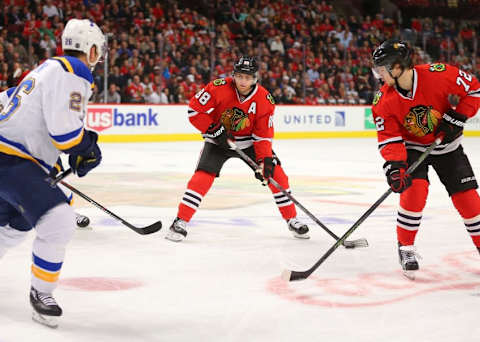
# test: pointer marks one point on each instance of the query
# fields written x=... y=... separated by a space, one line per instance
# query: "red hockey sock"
x=468 y=205
x=412 y=202
x=284 y=204
x=197 y=188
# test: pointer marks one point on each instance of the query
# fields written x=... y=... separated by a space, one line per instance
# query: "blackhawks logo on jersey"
x=421 y=120
x=270 y=98
x=219 y=82
x=437 y=67
x=377 y=97
x=235 y=119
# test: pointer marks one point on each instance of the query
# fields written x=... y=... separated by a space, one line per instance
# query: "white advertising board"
x=129 y=123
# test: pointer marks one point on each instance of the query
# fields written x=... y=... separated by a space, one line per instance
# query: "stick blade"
x=355 y=243
x=153 y=228
x=288 y=275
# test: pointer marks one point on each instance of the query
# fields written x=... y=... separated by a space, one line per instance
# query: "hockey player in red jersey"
x=240 y=109
x=411 y=109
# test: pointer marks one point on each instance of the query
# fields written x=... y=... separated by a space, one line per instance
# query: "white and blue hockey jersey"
x=4 y=95
x=44 y=114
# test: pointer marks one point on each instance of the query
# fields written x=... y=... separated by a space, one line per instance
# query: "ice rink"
x=223 y=282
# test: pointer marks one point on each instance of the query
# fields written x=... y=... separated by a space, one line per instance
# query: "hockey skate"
x=82 y=221
x=408 y=260
x=298 y=229
x=177 y=231
x=45 y=309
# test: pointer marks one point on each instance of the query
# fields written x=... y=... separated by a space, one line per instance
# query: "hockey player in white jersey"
x=81 y=220
x=42 y=119
x=4 y=95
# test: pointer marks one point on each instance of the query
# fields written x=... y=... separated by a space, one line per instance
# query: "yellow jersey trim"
x=70 y=143
x=66 y=63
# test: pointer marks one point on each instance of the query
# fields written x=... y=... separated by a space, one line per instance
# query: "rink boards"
x=143 y=123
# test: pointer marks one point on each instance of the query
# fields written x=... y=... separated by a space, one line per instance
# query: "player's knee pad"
x=467 y=203
x=57 y=225
x=201 y=181
x=280 y=177
x=415 y=197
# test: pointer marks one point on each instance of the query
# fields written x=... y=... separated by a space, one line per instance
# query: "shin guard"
x=197 y=188
x=54 y=230
x=284 y=204
x=467 y=204
x=412 y=202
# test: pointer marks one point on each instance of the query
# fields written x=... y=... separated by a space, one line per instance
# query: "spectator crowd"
x=165 y=51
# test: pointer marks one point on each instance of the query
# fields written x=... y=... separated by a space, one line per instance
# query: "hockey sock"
x=284 y=204
x=468 y=205
x=54 y=230
x=197 y=187
x=412 y=202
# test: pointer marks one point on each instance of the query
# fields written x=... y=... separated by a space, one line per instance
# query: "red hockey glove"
x=396 y=174
x=218 y=133
x=451 y=126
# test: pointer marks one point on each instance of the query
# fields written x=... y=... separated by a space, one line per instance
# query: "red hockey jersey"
x=409 y=122
x=249 y=120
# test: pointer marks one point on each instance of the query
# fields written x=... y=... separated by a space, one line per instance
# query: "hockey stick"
x=140 y=230
x=300 y=275
x=256 y=168
x=59 y=178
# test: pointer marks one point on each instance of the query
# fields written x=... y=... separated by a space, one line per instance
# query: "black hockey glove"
x=84 y=161
x=397 y=177
x=268 y=168
x=218 y=133
x=56 y=169
x=451 y=126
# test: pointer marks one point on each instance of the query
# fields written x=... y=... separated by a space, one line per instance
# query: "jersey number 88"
x=203 y=97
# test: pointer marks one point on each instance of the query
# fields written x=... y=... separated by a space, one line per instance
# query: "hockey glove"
x=56 y=169
x=218 y=133
x=451 y=126
x=267 y=169
x=84 y=161
x=397 y=177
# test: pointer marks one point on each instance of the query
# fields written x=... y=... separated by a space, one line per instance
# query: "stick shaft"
x=256 y=167
x=305 y=274
x=145 y=230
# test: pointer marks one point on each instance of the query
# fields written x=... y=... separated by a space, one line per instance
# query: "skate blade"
x=301 y=236
x=409 y=274
x=175 y=237
x=49 y=321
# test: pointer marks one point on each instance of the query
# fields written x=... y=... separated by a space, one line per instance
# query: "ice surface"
x=223 y=282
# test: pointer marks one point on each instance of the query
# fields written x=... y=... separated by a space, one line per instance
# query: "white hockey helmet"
x=81 y=35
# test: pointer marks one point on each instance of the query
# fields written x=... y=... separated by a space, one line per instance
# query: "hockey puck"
x=82 y=221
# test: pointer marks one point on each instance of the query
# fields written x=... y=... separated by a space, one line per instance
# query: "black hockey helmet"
x=391 y=52
x=246 y=65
